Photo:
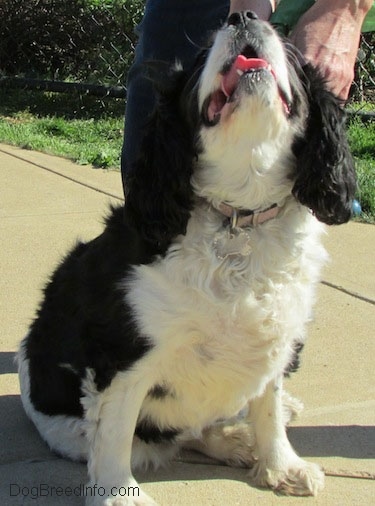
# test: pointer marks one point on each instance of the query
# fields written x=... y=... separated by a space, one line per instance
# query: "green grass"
x=362 y=143
x=90 y=131
x=96 y=142
x=85 y=130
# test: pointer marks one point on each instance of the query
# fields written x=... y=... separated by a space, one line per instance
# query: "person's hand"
x=262 y=8
x=328 y=36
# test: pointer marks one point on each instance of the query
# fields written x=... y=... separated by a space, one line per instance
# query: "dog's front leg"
x=278 y=466
x=113 y=421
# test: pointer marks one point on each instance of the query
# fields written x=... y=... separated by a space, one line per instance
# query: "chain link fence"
x=88 y=46
x=60 y=45
x=363 y=89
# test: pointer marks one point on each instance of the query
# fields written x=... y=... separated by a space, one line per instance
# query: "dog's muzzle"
x=256 y=61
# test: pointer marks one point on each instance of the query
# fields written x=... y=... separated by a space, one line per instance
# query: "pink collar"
x=245 y=218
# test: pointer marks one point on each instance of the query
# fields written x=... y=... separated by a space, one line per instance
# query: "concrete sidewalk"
x=45 y=204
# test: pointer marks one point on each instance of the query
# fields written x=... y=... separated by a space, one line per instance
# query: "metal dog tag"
x=232 y=241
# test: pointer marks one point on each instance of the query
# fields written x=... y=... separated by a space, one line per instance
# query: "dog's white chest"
x=211 y=355
x=209 y=368
x=220 y=329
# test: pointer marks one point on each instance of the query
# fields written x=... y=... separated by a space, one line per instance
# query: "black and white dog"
x=189 y=307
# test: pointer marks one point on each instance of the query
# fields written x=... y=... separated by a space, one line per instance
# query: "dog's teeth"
x=240 y=72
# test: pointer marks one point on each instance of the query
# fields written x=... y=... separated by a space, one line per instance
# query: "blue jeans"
x=170 y=30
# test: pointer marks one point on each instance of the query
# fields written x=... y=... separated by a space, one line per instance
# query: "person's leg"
x=170 y=30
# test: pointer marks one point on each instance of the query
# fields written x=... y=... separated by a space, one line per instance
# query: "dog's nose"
x=240 y=18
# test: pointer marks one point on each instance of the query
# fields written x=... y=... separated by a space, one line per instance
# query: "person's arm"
x=262 y=8
x=328 y=36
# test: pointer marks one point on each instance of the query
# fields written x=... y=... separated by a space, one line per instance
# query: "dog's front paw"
x=298 y=478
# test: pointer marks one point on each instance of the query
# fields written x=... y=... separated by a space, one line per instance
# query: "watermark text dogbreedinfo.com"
x=45 y=490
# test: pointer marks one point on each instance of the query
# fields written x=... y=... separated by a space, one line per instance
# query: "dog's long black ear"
x=159 y=193
x=325 y=177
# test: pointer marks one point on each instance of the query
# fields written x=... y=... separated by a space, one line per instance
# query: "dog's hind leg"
x=65 y=435
x=233 y=441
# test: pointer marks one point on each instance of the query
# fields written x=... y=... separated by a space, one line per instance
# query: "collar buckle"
x=234 y=219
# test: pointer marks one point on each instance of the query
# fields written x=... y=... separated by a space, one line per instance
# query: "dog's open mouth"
x=220 y=103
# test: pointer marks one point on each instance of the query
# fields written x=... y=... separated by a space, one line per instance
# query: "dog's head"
x=247 y=127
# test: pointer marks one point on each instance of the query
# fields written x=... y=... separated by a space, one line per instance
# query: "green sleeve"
x=369 y=23
x=288 y=13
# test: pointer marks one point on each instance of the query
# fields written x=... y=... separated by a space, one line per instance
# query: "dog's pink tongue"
x=240 y=65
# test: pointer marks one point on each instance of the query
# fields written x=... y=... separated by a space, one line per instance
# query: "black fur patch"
x=295 y=362
x=160 y=195
x=159 y=392
x=84 y=321
x=150 y=433
x=325 y=179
